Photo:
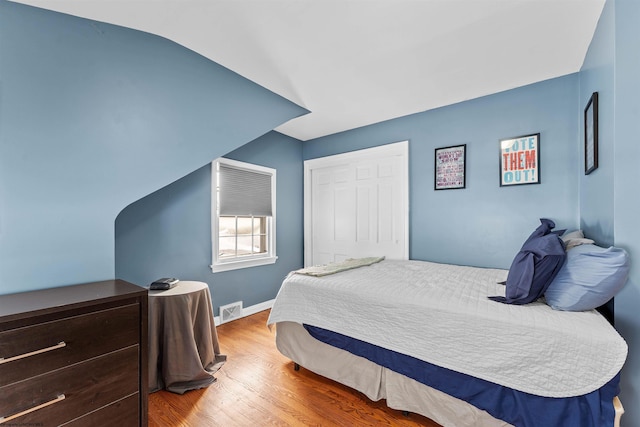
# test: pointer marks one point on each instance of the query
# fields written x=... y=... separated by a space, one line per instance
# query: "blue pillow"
x=590 y=277
x=535 y=266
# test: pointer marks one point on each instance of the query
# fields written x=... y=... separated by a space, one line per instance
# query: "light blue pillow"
x=590 y=276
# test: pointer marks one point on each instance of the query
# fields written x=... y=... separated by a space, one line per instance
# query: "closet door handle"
x=60 y=398
x=32 y=353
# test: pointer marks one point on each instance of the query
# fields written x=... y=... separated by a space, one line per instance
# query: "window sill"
x=236 y=265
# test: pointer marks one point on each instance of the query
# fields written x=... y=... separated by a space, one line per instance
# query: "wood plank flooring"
x=258 y=386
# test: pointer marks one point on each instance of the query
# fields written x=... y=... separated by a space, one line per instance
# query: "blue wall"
x=92 y=118
x=483 y=224
x=619 y=31
x=168 y=233
x=597 y=75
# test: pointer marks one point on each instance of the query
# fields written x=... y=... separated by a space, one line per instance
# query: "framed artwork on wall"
x=450 y=167
x=591 y=134
x=520 y=160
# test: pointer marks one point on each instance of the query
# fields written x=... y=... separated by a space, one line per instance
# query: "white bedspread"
x=440 y=313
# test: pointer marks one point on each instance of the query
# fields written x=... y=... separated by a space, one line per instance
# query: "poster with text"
x=450 y=167
x=520 y=160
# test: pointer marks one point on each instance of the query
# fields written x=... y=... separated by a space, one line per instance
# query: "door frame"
x=400 y=148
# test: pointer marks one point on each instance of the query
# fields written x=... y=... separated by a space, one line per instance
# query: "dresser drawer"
x=72 y=391
x=123 y=413
x=34 y=350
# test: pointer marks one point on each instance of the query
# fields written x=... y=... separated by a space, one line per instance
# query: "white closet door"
x=356 y=205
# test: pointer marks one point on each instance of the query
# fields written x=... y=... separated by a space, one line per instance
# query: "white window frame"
x=269 y=257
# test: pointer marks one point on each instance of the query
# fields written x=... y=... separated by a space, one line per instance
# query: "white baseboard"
x=248 y=311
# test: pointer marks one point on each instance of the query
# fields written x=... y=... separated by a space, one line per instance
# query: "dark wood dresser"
x=74 y=356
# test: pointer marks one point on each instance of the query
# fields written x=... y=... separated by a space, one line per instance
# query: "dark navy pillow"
x=535 y=266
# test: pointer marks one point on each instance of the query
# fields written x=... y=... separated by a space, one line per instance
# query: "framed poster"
x=591 y=134
x=520 y=160
x=450 y=167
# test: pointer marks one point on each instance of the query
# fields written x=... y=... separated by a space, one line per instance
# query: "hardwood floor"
x=258 y=387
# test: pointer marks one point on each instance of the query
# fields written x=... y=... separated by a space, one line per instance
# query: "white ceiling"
x=357 y=62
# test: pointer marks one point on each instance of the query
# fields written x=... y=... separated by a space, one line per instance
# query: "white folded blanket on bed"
x=440 y=313
x=337 y=267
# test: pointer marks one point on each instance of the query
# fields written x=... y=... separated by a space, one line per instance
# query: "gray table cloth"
x=184 y=352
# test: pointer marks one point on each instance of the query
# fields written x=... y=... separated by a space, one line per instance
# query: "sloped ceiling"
x=356 y=62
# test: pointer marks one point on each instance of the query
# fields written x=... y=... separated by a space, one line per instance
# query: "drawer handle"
x=60 y=398
x=32 y=353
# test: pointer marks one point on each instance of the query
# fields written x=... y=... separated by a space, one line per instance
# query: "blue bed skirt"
x=520 y=409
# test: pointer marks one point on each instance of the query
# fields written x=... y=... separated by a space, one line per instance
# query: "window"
x=243 y=215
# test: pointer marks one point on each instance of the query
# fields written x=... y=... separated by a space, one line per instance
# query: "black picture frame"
x=520 y=160
x=591 y=134
x=450 y=167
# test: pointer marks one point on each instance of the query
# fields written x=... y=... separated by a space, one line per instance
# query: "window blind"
x=244 y=192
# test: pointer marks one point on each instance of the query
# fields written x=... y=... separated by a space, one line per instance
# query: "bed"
x=426 y=337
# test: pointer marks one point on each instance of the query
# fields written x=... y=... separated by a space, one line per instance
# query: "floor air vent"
x=230 y=311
